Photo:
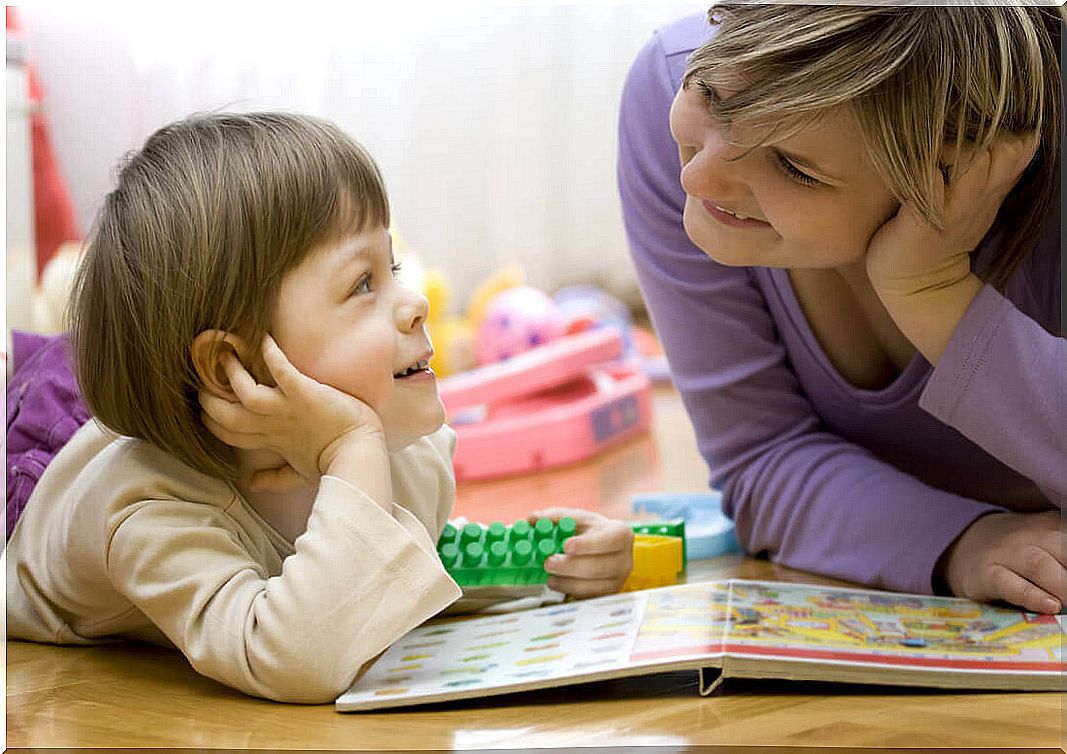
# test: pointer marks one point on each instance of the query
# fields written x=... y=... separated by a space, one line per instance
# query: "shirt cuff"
x=965 y=355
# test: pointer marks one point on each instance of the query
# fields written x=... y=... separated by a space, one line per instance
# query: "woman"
x=845 y=226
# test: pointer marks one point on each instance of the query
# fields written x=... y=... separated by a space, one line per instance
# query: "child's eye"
x=791 y=170
x=363 y=285
x=395 y=268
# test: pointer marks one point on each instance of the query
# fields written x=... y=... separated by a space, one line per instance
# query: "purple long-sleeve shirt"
x=866 y=485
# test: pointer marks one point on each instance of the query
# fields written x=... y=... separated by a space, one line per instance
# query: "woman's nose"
x=703 y=149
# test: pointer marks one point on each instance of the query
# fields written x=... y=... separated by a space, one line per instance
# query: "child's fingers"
x=234 y=439
x=1013 y=588
x=580 y=515
x=582 y=588
x=608 y=537
x=591 y=567
x=258 y=398
x=281 y=369
x=233 y=416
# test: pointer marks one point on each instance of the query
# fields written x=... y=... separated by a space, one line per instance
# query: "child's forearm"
x=363 y=462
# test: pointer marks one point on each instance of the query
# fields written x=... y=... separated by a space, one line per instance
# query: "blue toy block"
x=708 y=532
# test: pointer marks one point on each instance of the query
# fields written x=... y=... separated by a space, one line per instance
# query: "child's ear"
x=207 y=350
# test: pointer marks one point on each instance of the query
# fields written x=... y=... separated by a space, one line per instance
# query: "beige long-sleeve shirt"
x=122 y=540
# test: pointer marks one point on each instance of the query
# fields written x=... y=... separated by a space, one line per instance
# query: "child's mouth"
x=419 y=367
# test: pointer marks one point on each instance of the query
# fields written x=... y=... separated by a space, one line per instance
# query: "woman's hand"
x=1015 y=557
x=923 y=275
x=597 y=560
x=304 y=421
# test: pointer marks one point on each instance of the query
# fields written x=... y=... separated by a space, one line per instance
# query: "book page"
x=855 y=626
x=547 y=646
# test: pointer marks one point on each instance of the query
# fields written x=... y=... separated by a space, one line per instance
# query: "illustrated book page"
x=723 y=628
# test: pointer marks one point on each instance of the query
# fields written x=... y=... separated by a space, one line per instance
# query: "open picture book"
x=722 y=629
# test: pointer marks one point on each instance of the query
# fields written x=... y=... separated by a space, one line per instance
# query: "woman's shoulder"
x=683 y=35
x=661 y=61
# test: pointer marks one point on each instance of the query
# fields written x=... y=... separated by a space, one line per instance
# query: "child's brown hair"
x=204 y=222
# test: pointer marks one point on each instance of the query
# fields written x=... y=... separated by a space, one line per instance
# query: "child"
x=268 y=471
x=845 y=222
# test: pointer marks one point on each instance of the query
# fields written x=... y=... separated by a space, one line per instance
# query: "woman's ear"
x=208 y=350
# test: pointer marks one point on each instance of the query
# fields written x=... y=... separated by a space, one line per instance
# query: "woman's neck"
x=286 y=508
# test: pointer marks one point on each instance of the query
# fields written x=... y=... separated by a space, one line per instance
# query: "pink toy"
x=555 y=404
x=516 y=320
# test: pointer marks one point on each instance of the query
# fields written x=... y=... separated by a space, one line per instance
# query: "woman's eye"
x=395 y=268
x=709 y=94
x=791 y=170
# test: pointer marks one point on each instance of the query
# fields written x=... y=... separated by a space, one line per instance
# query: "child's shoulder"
x=100 y=469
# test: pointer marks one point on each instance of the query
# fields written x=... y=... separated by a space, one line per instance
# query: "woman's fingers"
x=1013 y=588
x=1038 y=567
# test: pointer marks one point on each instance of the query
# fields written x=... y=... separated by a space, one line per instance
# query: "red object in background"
x=54 y=221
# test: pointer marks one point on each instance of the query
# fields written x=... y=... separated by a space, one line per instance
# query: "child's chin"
x=400 y=439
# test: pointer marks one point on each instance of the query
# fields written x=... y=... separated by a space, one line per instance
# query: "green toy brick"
x=665 y=528
x=499 y=555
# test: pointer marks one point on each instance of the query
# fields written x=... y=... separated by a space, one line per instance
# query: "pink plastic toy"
x=555 y=404
x=516 y=320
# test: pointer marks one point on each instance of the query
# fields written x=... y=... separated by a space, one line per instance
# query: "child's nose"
x=411 y=314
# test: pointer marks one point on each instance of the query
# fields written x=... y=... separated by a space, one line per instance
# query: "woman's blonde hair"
x=204 y=222
x=917 y=78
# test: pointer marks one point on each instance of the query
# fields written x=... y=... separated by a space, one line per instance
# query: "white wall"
x=495 y=125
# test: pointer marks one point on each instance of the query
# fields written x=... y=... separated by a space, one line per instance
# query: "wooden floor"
x=143 y=697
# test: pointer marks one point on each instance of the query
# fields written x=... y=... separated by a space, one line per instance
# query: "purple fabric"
x=865 y=485
x=44 y=410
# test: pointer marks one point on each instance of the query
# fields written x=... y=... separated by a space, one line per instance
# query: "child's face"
x=822 y=217
x=343 y=320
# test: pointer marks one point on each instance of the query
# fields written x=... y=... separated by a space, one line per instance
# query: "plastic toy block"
x=499 y=555
x=664 y=529
x=657 y=562
x=709 y=533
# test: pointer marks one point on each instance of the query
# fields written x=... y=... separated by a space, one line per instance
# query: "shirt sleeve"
x=808 y=498
x=1002 y=382
x=359 y=579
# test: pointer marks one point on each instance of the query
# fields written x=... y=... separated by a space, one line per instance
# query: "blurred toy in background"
x=589 y=307
x=453 y=335
x=554 y=404
x=509 y=277
x=517 y=320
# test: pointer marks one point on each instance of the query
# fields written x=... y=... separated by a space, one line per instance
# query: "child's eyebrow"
x=347 y=254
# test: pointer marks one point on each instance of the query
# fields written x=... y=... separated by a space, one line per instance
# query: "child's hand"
x=596 y=560
x=908 y=255
x=1015 y=557
x=304 y=421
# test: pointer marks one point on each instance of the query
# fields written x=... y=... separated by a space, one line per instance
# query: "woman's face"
x=813 y=200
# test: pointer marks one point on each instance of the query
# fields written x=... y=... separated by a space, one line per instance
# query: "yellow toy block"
x=657 y=562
